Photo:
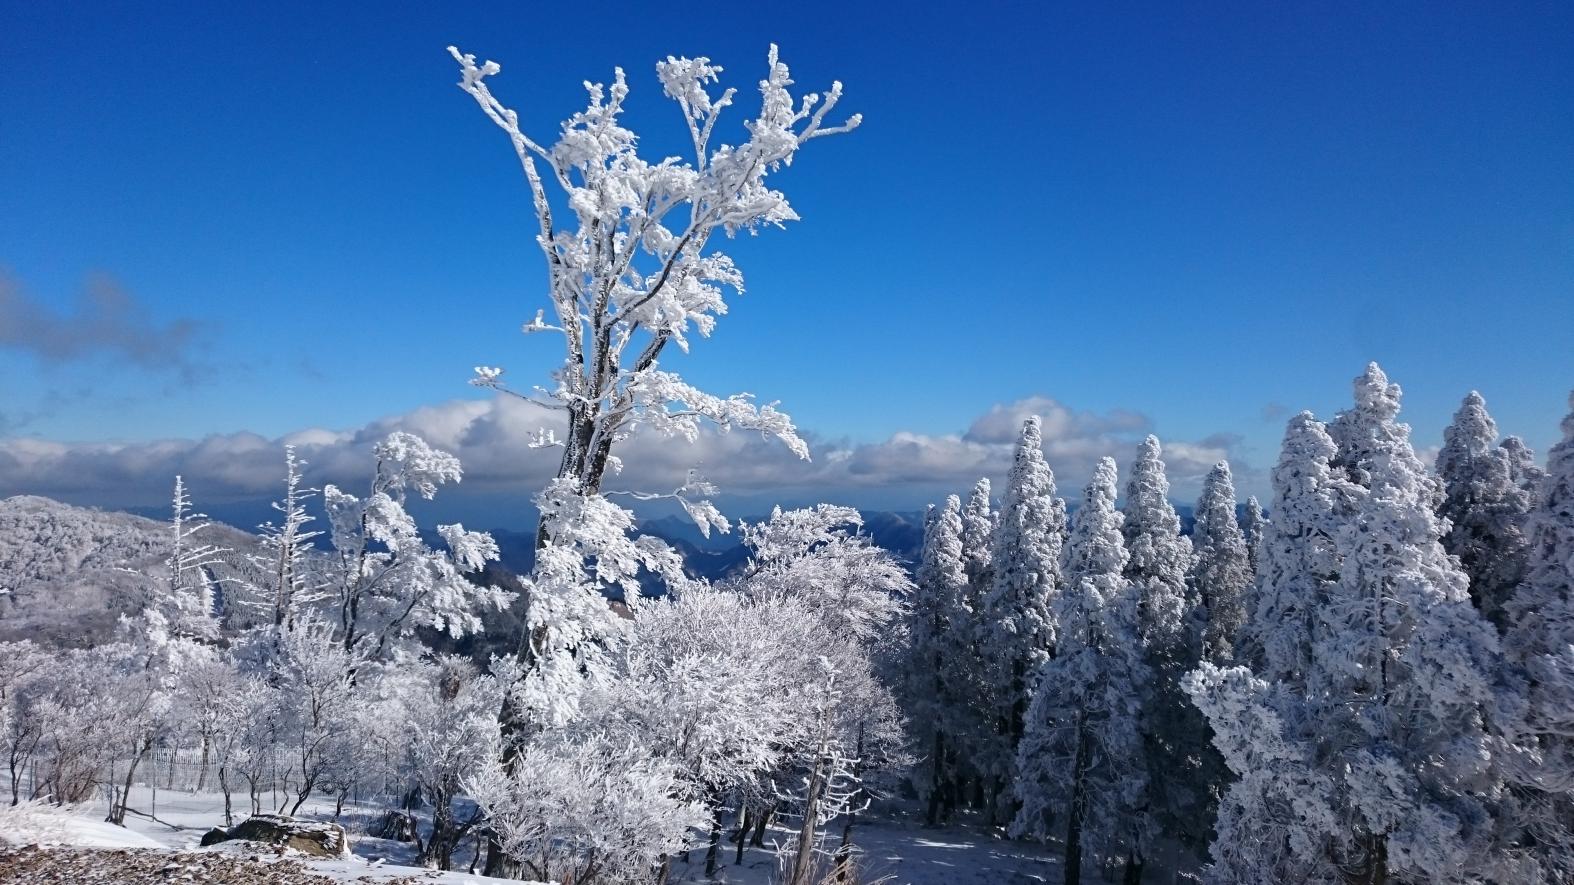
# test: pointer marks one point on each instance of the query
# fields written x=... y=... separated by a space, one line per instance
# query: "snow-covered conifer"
x=938 y=616
x=1298 y=556
x=1081 y=759
x=978 y=535
x=1016 y=621
x=1170 y=626
x=1254 y=525
x=1522 y=465
x=1485 y=505
x=1539 y=644
x=1390 y=701
x=1222 y=571
x=1159 y=556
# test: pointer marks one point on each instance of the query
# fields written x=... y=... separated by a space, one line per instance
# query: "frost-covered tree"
x=1539 y=645
x=938 y=630
x=978 y=534
x=1169 y=623
x=1298 y=556
x=1390 y=703
x=1081 y=759
x=1254 y=525
x=1222 y=570
x=586 y=812
x=448 y=713
x=1159 y=556
x=1365 y=430
x=1485 y=504
x=1016 y=622
x=286 y=545
x=813 y=559
x=1522 y=466
x=187 y=603
x=631 y=272
x=386 y=581
x=633 y=269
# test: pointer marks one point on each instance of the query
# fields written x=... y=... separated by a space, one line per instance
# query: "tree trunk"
x=1078 y=798
x=117 y=810
x=714 y=852
x=765 y=817
x=224 y=786
x=202 y=771
x=803 y=863
x=743 y=833
x=1134 y=865
x=936 y=779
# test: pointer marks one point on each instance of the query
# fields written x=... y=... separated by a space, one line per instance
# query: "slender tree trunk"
x=224 y=786
x=1134 y=866
x=714 y=852
x=1078 y=799
x=937 y=779
x=760 y=825
x=117 y=810
x=743 y=833
x=803 y=862
x=202 y=771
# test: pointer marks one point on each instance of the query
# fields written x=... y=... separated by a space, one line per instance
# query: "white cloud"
x=491 y=439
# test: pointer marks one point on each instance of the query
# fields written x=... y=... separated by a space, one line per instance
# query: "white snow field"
x=893 y=849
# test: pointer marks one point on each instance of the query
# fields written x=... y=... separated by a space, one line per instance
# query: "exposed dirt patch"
x=147 y=866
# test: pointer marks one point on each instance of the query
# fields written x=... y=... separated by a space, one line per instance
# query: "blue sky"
x=1206 y=214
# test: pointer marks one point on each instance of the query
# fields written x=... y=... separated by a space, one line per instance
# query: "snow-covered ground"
x=894 y=849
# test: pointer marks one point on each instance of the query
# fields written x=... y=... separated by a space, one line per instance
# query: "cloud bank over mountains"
x=491 y=438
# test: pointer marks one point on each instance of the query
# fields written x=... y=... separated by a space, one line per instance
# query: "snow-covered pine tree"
x=1016 y=621
x=1222 y=571
x=1254 y=525
x=1174 y=732
x=1485 y=504
x=1081 y=759
x=1385 y=718
x=1298 y=556
x=1522 y=466
x=978 y=536
x=1539 y=646
x=937 y=612
x=1402 y=669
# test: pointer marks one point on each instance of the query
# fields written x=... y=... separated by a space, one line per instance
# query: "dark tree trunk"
x=765 y=816
x=1078 y=800
x=1134 y=865
x=937 y=779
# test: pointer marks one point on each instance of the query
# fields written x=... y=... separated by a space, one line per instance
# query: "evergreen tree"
x=1174 y=733
x=978 y=538
x=1254 y=524
x=1485 y=506
x=1539 y=645
x=1522 y=466
x=1017 y=626
x=1222 y=571
x=1384 y=726
x=1298 y=556
x=938 y=612
x=1081 y=758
